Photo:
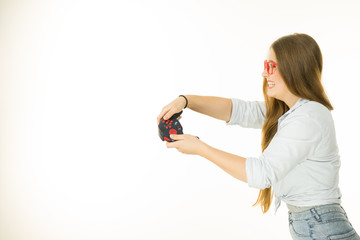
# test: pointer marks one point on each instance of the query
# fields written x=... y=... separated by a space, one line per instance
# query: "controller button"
x=172 y=131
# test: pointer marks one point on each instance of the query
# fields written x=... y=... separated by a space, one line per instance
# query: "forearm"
x=216 y=107
x=230 y=163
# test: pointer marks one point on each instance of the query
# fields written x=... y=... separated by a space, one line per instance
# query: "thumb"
x=177 y=136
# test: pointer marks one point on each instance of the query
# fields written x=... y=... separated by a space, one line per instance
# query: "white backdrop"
x=82 y=83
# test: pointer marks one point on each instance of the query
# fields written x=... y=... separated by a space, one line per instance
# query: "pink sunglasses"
x=269 y=66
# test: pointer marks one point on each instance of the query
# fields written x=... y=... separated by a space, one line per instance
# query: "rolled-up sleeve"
x=249 y=114
x=296 y=140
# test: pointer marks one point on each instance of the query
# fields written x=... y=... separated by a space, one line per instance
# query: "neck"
x=291 y=100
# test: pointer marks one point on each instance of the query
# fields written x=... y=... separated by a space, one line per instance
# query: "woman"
x=300 y=161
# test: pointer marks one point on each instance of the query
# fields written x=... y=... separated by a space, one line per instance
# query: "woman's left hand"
x=186 y=143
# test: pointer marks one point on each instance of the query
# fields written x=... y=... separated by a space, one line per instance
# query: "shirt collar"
x=298 y=104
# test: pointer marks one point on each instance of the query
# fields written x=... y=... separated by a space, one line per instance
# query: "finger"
x=171 y=144
x=162 y=113
x=169 y=114
x=177 y=136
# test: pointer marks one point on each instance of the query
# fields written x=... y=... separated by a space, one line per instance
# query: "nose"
x=265 y=74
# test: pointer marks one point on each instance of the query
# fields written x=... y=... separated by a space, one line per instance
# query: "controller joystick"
x=170 y=126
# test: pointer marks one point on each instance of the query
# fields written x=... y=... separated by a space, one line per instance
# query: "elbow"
x=243 y=177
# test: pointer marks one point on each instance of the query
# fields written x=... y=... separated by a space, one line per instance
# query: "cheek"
x=280 y=84
x=279 y=81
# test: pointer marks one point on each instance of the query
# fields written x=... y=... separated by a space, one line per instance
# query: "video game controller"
x=170 y=126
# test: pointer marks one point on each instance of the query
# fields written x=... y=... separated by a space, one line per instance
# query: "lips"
x=271 y=84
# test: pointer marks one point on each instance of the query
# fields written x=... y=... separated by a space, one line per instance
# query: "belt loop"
x=315 y=214
x=290 y=218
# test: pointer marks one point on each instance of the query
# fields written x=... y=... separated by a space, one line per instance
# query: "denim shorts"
x=322 y=222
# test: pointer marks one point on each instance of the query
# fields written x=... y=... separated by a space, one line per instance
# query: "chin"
x=270 y=94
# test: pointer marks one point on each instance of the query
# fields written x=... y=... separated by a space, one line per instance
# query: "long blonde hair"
x=299 y=62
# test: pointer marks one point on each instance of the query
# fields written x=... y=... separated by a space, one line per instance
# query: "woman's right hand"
x=174 y=107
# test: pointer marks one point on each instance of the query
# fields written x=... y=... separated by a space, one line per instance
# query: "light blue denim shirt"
x=302 y=160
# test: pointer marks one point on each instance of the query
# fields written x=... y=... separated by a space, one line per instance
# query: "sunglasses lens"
x=270 y=68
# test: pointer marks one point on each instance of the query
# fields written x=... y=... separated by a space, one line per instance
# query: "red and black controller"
x=170 y=126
